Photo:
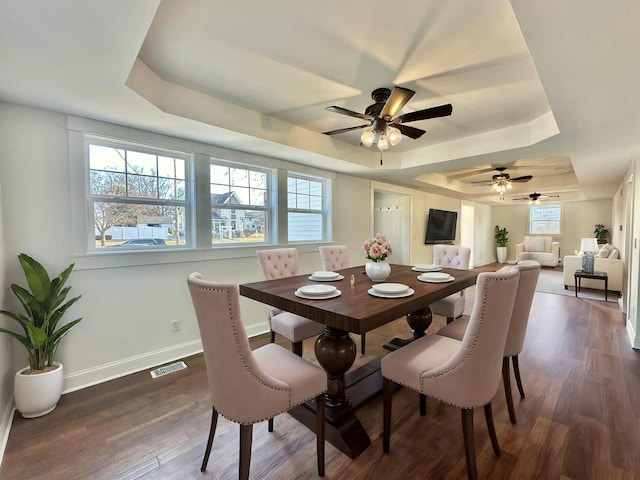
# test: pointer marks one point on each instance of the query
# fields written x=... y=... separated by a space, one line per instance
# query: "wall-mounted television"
x=441 y=226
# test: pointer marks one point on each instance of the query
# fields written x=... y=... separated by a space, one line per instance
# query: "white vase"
x=502 y=254
x=38 y=394
x=377 y=271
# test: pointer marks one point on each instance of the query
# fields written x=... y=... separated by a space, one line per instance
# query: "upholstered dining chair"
x=248 y=387
x=451 y=256
x=336 y=257
x=279 y=263
x=529 y=272
x=464 y=373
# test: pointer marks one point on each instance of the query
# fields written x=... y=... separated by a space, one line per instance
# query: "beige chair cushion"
x=462 y=373
x=294 y=327
x=535 y=244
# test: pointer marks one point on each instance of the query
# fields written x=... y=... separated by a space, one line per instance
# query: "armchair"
x=541 y=249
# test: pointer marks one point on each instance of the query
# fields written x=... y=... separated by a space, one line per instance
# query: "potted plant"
x=37 y=388
x=601 y=232
x=502 y=237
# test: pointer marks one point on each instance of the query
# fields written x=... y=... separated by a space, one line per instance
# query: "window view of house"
x=239 y=205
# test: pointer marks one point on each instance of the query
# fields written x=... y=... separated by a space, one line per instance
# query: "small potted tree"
x=37 y=388
x=601 y=232
x=502 y=237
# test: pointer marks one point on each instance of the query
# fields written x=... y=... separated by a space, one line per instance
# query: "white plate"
x=390 y=288
x=426 y=268
x=444 y=280
x=406 y=293
x=434 y=276
x=298 y=293
x=322 y=275
x=316 y=279
x=317 y=290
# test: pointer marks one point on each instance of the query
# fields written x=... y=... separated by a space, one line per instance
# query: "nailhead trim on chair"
x=462 y=361
x=246 y=365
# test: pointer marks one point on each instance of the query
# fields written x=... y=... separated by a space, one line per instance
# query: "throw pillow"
x=604 y=251
x=615 y=254
x=534 y=244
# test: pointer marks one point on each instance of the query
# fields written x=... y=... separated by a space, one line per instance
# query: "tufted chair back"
x=529 y=272
x=239 y=388
x=278 y=262
x=451 y=256
x=334 y=257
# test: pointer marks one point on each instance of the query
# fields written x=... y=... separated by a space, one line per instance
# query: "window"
x=306 y=208
x=544 y=220
x=240 y=204
x=139 y=197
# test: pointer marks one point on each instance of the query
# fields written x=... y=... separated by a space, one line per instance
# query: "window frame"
x=78 y=128
x=91 y=199
x=557 y=206
x=323 y=211
x=268 y=207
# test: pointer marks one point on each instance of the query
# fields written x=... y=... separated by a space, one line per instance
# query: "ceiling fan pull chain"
x=380 y=157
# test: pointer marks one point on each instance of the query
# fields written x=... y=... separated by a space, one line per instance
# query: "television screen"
x=441 y=226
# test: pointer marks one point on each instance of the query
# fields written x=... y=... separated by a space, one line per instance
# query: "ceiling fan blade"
x=410 y=132
x=441 y=111
x=549 y=196
x=524 y=178
x=522 y=198
x=483 y=183
x=351 y=113
x=348 y=129
x=398 y=99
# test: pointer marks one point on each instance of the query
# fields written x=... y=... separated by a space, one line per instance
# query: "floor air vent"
x=167 y=369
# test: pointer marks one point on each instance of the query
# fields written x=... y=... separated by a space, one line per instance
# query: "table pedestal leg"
x=419 y=321
x=336 y=352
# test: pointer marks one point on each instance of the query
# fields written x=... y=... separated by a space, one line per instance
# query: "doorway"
x=392 y=217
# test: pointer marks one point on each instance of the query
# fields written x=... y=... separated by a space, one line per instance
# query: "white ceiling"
x=545 y=88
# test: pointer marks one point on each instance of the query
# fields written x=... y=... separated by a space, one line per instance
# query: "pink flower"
x=377 y=248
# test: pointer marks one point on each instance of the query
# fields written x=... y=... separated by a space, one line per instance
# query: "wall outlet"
x=176 y=325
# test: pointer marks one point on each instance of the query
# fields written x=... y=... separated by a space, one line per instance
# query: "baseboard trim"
x=110 y=371
x=5 y=426
x=631 y=331
x=127 y=366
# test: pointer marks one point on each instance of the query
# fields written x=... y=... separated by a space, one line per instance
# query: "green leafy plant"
x=502 y=236
x=601 y=232
x=44 y=307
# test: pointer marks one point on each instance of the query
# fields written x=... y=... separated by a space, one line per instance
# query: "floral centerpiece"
x=377 y=249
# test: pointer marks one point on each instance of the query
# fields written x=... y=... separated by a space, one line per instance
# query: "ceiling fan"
x=384 y=127
x=534 y=198
x=501 y=181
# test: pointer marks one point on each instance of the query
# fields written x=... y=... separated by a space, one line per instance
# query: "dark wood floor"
x=580 y=419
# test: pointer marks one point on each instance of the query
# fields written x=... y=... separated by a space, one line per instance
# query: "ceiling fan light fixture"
x=383 y=143
x=367 y=138
x=394 y=135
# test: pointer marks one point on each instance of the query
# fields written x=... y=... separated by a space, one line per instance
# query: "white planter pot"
x=502 y=254
x=377 y=271
x=37 y=395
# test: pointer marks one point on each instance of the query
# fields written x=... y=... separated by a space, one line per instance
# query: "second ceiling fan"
x=501 y=181
x=384 y=127
x=534 y=198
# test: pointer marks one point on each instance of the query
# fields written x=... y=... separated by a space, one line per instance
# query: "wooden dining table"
x=355 y=310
